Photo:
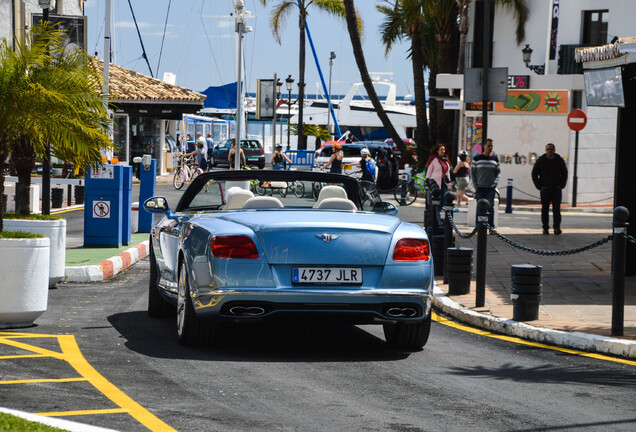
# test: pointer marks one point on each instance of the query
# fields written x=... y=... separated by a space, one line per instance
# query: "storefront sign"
x=518 y=81
x=476 y=106
x=535 y=102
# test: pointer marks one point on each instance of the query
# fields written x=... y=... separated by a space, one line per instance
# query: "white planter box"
x=54 y=230
x=9 y=190
x=24 y=285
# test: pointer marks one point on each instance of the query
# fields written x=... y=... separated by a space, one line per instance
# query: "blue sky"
x=200 y=44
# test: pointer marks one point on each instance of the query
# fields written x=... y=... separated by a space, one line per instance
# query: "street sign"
x=577 y=120
x=451 y=104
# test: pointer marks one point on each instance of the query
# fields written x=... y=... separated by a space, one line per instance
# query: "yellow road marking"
x=72 y=354
x=79 y=363
x=17 y=356
x=82 y=412
x=513 y=339
x=42 y=380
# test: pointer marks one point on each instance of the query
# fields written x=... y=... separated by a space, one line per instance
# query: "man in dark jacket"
x=550 y=176
x=485 y=172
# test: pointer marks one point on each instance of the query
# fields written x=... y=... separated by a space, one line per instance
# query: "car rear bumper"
x=367 y=307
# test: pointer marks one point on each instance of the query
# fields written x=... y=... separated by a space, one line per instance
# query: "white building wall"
x=529 y=133
x=64 y=7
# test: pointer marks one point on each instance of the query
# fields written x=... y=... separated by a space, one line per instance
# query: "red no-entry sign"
x=577 y=120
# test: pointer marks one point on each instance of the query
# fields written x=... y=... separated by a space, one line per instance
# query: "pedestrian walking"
x=438 y=168
x=485 y=172
x=462 y=177
x=279 y=159
x=550 y=175
x=231 y=154
x=335 y=161
x=368 y=166
x=209 y=141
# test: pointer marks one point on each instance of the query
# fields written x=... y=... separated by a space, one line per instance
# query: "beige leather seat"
x=263 y=202
x=330 y=192
x=337 y=204
x=237 y=197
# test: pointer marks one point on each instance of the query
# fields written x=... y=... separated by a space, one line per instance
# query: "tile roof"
x=129 y=86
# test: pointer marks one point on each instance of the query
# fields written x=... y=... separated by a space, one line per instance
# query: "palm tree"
x=353 y=27
x=48 y=95
x=280 y=14
x=406 y=19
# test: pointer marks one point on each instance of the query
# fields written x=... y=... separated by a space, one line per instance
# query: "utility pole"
x=241 y=29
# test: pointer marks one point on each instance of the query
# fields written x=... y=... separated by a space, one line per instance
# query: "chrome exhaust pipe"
x=247 y=310
x=397 y=312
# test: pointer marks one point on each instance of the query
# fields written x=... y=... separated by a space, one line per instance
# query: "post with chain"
x=619 y=247
x=509 y=196
x=448 y=229
x=483 y=206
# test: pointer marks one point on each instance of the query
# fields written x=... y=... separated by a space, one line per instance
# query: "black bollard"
x=619 y=244
x=526 y=291
x=509 y=196
x=460 y=267
x=483 y=206
x=448 y=229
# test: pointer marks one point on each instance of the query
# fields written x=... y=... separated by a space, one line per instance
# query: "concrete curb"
x=574 y=340
x=108 y=268
x=55 y=422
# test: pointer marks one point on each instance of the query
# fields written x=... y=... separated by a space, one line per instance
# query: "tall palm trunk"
x=302 y=141
x=354 y=35
x=419 y=90
x=463 y=32
x=3 y=205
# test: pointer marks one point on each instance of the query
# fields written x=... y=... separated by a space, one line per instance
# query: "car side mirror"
x=157 y=205
x=385 y=207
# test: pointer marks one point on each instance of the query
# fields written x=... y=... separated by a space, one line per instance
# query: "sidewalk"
x=576 y=303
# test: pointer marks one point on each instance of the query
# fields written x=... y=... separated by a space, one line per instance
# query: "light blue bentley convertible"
x=255 y=245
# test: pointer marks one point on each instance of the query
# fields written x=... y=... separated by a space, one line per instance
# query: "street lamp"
x=46 y=163
x=289 y=83
x=239 y=20
x=332 y=56
x=527 y=56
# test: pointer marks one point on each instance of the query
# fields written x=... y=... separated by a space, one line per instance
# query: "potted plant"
x=51 y=226
x=24 y=266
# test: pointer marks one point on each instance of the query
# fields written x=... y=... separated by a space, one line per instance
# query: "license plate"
x=327 y=275
x=252 y=158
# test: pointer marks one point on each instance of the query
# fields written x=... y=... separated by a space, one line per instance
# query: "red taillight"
x=410 y=249
x=233 y=246
x=262 y=151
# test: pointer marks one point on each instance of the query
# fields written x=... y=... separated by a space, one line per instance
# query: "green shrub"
x=12 y=423
x=19 y=235
x=32 y=216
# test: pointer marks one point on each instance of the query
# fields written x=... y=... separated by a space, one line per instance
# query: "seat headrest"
x=263 y=202
x=330 y=192
x=236 y=197
x=337 y=204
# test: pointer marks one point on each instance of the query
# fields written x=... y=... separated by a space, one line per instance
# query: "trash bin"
x=57 y=197
x=526 y=291
x=460 y=269
x=79 y=194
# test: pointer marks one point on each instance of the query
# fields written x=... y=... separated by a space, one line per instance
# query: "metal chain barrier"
x=630 y=239
x=550 y=252
x=459 y=233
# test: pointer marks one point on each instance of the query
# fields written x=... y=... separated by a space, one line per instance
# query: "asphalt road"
x=292 y=378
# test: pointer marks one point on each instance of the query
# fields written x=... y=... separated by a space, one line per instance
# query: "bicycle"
x=406 y=191
x=297 y=187
x=186 y=172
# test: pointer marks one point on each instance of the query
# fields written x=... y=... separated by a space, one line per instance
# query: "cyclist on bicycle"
x=200 y=156
x=232 y=153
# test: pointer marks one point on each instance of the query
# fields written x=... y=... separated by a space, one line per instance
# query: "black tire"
x=177 y=181
x=299 y=189
x=407 y=336
x=191 y=331
x=406 y=188
x=158 y=307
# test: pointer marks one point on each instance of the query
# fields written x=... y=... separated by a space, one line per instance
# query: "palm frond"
x=279 y=17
